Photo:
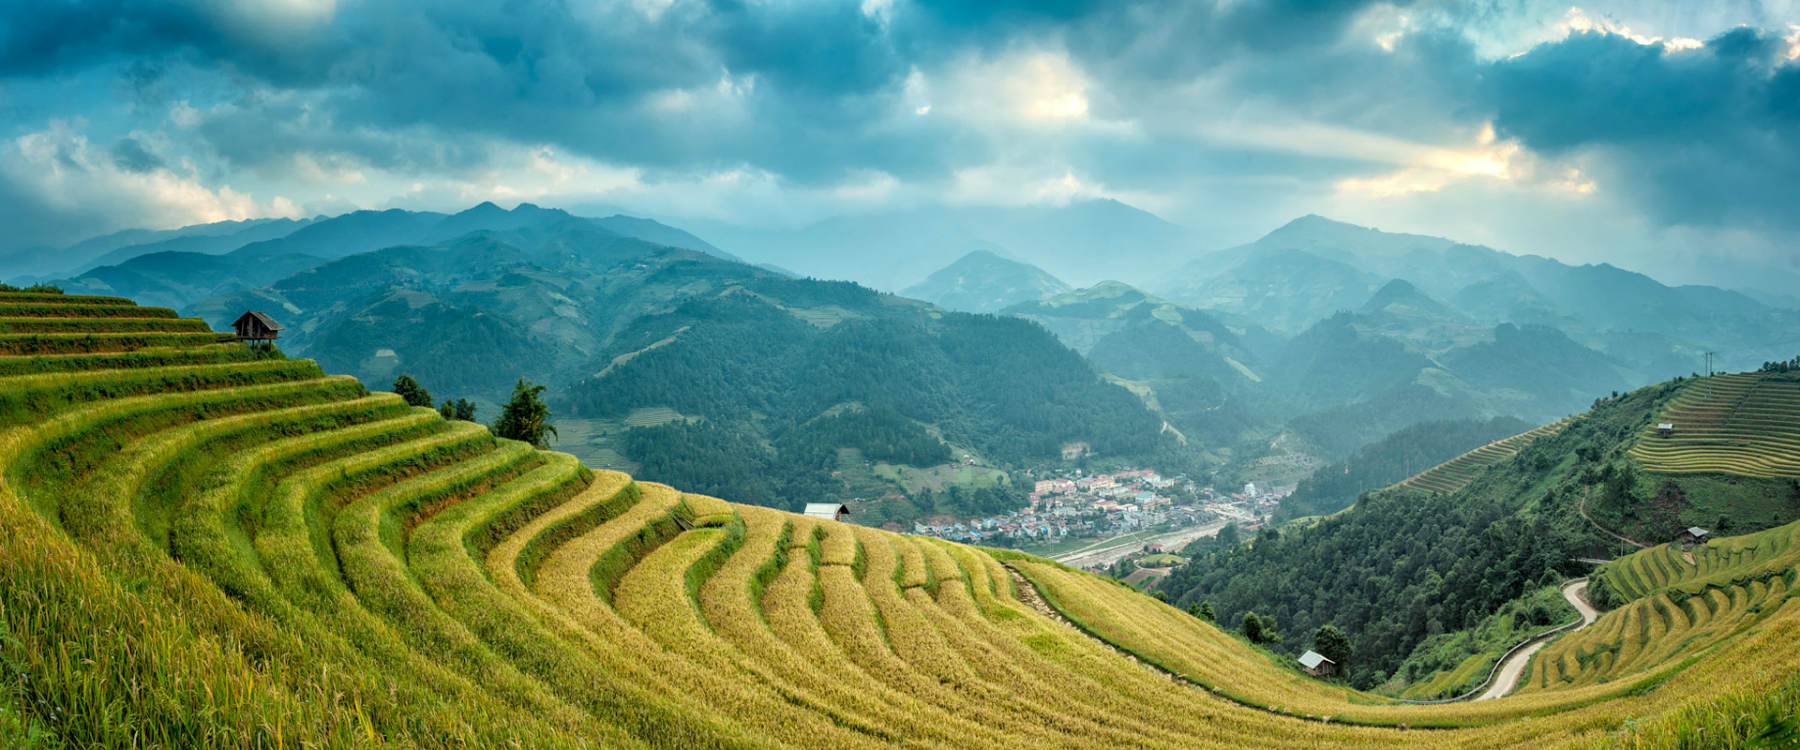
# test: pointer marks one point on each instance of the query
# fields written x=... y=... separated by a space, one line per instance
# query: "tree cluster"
x=1792 y=365
x=415 y=395
x=1260 y=628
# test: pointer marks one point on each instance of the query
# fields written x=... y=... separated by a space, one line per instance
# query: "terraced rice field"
x=1458 y=472
x=204 y=547
x=1745 y=423
x=1679 y=609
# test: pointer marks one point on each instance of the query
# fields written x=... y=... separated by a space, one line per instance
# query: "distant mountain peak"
x=984 y=281
x=1402 y=293
x=1110 y=288
x=1331 y=237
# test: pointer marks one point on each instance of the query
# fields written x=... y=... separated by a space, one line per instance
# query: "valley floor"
x=1105 y=552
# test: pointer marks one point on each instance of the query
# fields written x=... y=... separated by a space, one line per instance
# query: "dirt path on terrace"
x=1582 y=509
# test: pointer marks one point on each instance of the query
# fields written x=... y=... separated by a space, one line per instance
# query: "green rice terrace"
x=1745 y=423
x=204 y=544
x=1456 y=473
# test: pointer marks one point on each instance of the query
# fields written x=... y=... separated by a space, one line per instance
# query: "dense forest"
x=779 y=395
x=1395 y=457
x=1406 y=565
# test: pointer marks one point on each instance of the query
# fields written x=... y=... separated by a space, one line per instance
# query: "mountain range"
x=1296 y=349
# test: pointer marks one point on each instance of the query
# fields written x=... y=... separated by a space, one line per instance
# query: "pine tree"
x=1253 y=627
x=410 y=390
x=525 y=417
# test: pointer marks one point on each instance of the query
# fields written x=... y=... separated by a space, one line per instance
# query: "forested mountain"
x=1404 y=565
x=1193 y=369
x=1393 y=359
x=772 y=386
x=759 y=359
x=982 y=282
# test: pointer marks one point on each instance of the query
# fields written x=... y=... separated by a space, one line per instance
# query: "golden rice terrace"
x=1745 y=423
x=203 y=545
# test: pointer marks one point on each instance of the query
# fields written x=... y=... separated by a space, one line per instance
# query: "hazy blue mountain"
x=176 y=280
x=179 y=279
x=1542 y=363
x=1082 y=242
x=1193 y=369
x=1285 y=290
x=211 y=244
x=984 y=282
x=44 y=262
x=1590 y=303
x=651 y=230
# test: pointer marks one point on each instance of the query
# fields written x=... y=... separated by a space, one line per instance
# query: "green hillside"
x=1456 y=473
x=208 y=545
x=1437 y=554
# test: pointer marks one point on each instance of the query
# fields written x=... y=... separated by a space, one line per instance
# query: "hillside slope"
x=1440 y=553
x=204 y=545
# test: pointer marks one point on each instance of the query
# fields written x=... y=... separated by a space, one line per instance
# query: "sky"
x=1662 y=135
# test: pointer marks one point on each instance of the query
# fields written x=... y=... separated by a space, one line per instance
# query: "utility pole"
x=1709 y=361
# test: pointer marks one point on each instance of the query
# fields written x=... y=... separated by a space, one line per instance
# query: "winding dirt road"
x=1509 y=675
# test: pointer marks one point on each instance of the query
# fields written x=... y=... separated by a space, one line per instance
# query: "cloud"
x=1706 y=135
x=1229 y=115
x=129 y=154
x=54 y=185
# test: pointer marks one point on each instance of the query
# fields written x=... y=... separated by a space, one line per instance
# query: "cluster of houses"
x=1095 y=506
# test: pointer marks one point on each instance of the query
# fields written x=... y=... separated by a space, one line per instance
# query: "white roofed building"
x=828 y=511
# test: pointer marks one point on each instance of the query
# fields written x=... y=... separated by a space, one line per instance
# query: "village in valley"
x=1094 y=521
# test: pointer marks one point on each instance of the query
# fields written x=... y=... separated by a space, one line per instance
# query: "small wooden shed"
x=1665 y=429
x=1316 y=664
x=828 y=511
x=1692 y=535
x=257 y=326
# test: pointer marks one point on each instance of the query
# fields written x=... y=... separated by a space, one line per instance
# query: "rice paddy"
x=204 y=546
x=1686 y=601
x=1458 y=472
x=1746 y=424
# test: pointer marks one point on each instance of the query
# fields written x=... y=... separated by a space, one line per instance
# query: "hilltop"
x=203 y=540
x=984 y=282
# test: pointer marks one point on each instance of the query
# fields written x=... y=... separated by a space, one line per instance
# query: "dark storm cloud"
x=1707 y=136
x=130 y=155
x=816 y=92
x=820 y=79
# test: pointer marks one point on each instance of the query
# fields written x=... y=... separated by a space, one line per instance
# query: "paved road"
x=1509 y=675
